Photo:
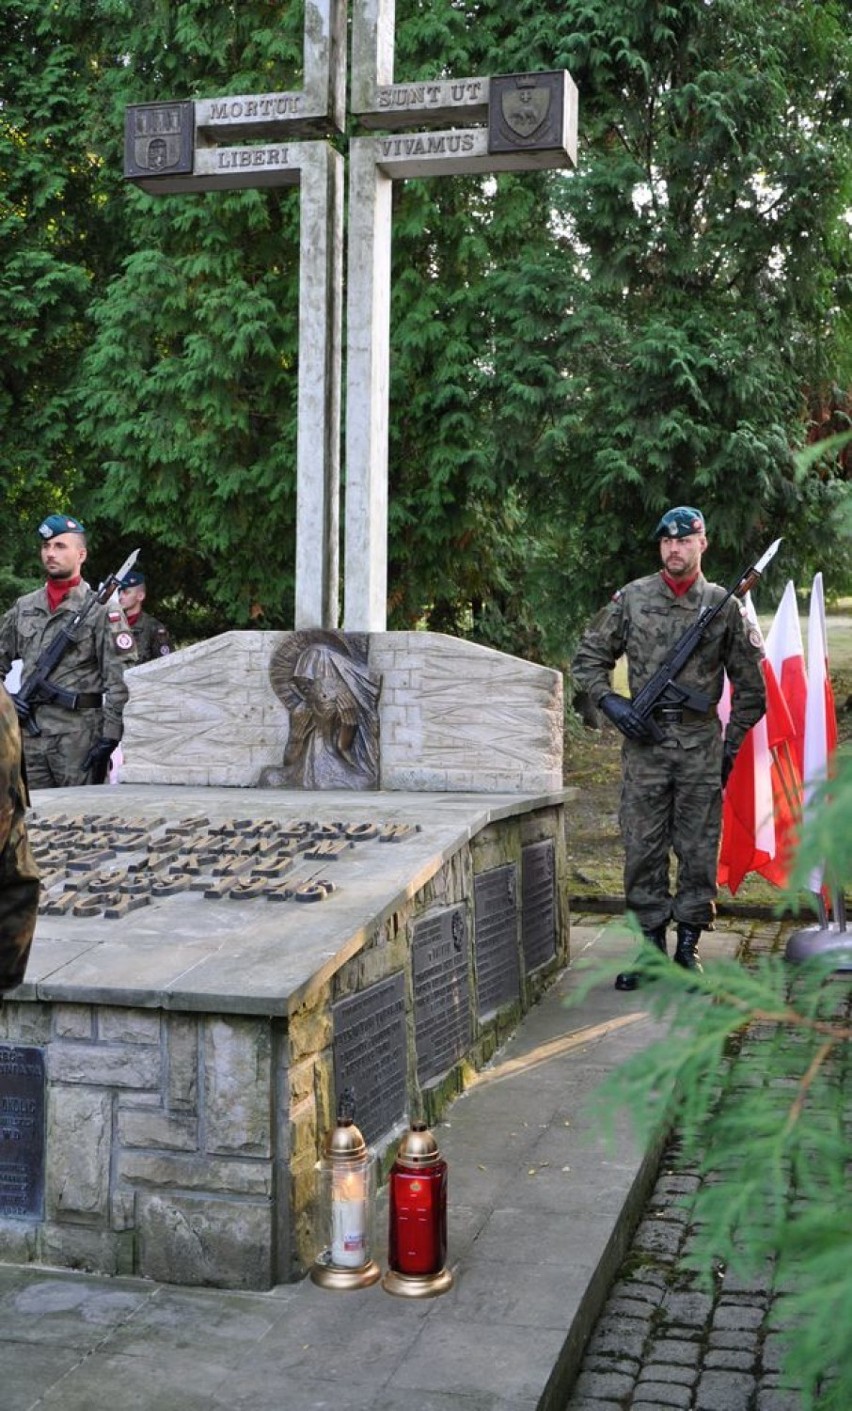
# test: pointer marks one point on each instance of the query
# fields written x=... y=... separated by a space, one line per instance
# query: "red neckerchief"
x=679 y=586
x=57 y=589
x=133 y=617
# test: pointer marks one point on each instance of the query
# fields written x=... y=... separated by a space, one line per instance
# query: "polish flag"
x=756 y=791
x=820 y=715
x=786 y=654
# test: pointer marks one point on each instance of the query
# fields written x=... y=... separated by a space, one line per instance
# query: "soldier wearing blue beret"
x=151 y=635
x=671 y=792
x=81 y=726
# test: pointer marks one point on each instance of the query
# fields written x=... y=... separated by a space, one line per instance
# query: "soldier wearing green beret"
x=150 y=635
x=75 y=741
x=671 y=792
x=19 y=879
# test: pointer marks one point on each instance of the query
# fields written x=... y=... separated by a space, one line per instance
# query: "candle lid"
x=418 y=1147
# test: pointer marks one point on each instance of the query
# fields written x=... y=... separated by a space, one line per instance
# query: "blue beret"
x=133 y=579
x=60 y=524
x=679 y=523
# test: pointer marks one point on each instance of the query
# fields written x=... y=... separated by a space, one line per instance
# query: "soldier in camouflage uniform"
x=75 y=744
x=150 y=635
x=19 y=880
x=671 y=795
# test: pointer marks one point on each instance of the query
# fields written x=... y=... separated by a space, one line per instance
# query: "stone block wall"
x=182 y=1146
x=452 y=716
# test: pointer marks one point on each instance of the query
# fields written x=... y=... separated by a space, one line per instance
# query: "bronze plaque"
x=526 y=111
x=538 y=908
x=439 y=963
x=22 y=1142
x=370 y=1054
x=158 y=139
x=498 y=979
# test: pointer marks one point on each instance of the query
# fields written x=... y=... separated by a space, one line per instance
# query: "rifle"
x=37 y=689
x=662 y=689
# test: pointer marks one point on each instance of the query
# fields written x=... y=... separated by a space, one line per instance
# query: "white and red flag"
x=763 y=793
x=820 y=716
x=786 y=654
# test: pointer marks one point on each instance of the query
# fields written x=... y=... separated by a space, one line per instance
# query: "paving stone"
x=643 y=1291
x=737 y=1316
x=679 y=1351
x=740 y=1339
x=724 y=1391
x=611 y=1362
x=631 y=1308
x=591 y=1403
x=624 y=1341
x=661 y=1237
x=604 y=1384
x=682 y=1373
x=661 y=1394
x=687 y=1310
x=729 y=1359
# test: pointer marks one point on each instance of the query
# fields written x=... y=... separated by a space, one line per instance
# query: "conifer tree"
x=570 y=351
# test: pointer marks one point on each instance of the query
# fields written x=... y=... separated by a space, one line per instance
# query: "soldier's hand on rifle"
x=97 y=760
x=23 y=708
x=729 y=755
x=620 y=711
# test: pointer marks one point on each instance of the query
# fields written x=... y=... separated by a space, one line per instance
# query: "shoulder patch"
x=123 y=642
x=755 y=638
x=165 y=650
x=114 y=616
x=617 y=595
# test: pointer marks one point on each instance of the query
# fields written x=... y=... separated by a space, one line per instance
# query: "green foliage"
x=754 y=1075
x=570 y=351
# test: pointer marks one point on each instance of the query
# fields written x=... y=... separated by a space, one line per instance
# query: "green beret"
x=133 y=579
x=679 y=523
x=60 y=524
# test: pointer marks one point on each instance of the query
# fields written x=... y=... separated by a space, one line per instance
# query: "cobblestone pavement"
x=661 y=1341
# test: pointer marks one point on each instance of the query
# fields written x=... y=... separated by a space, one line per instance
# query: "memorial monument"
x=336 y=858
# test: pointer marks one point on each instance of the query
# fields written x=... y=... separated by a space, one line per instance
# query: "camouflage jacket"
x=151 y=637
x=19 y=879
x=95 y=663
x=645 y=619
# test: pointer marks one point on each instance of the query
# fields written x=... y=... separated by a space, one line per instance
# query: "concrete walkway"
x=541 y=1213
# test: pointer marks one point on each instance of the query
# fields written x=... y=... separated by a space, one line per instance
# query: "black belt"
x=93 y=700
x=681 y=715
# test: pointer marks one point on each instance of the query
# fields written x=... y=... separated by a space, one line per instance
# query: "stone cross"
x=258 y=140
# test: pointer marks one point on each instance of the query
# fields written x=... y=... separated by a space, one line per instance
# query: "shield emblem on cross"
x=525 y=108
x=157 y=153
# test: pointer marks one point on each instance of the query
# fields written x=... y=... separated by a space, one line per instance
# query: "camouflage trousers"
x=671 y=803
x=55 y=757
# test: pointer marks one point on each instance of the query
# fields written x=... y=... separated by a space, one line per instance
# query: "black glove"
x=729 y=754
x=23 y=708
x=619 y=710
x=97 y=760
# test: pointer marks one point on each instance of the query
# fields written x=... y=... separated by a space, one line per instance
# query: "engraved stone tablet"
x=439 y=963
x=22 y=1085
x=158 y=139
x=538 y=910
x=495 y=943
x=527 y=110
x=370 y=1054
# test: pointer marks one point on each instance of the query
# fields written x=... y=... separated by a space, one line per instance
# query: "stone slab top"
x=226 y=900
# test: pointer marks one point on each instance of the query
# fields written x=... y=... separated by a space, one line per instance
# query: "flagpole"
x=829 y=940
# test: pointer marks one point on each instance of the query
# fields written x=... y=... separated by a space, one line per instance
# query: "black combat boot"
x=686 y=950
x=629 y=979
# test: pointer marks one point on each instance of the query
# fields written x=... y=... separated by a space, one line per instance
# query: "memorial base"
x=828 y=942
x=212 y=968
